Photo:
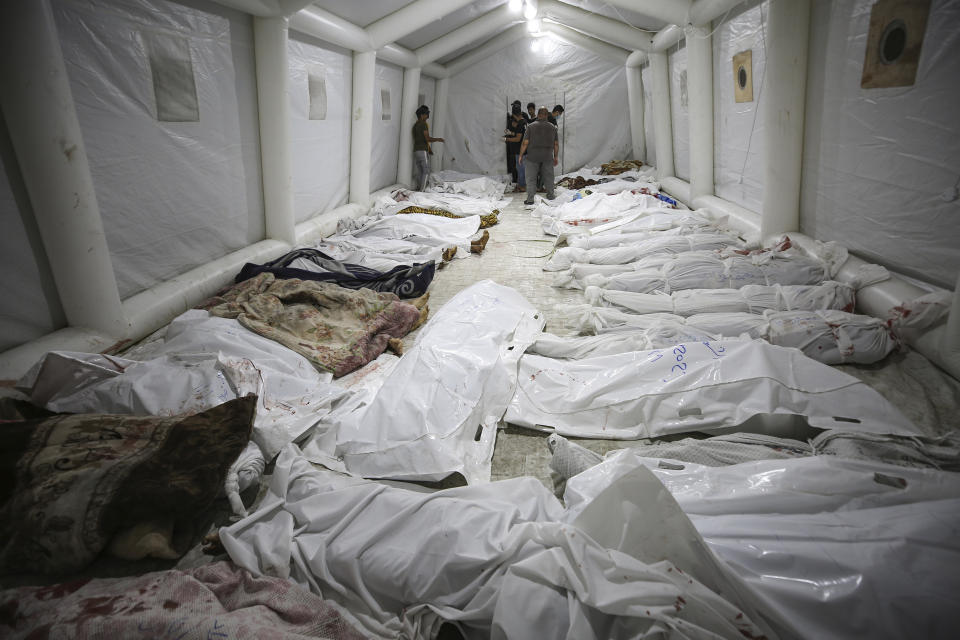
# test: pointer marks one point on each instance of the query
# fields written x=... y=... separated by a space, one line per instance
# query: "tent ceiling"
x=363 y=14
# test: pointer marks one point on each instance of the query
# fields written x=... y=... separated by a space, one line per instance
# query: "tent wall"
x=595 y=126
x=428 y=89
x=320 y=76
x=679 y=109
x=166 y=99
x=31 y=308
x=738 y=126
x=386 y=133
x=881 y=165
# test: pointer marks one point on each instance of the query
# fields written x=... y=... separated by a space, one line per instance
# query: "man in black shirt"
x=508 y=133
x=555 y=115
x=531 y=113
x=516 y=128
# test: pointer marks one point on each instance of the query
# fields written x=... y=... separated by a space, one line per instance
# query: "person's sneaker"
x=528 y=202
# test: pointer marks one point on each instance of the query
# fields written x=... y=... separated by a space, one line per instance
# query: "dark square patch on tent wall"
x=317 y=86
x=894 y=42
x=384 y=104
x=743 y=76
x=174 y=87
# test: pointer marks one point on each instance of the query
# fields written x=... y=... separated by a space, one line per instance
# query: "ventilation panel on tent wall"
x=317 y=86
x=384 y=104
x=174 y=88
x=894 y=43
x=743 y=76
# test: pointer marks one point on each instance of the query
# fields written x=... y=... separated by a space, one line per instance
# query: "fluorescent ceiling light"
x=530 y=11
x=515 y=5
x=533 y=26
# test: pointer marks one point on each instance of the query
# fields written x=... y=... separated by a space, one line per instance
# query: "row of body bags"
x=700 y=282
x=435 y=410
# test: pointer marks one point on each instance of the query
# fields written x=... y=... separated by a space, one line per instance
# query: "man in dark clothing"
x=531 y=114
x=516 y=128
x=508 y=133
x=421 y=148
x=540 y=152
x=555 y=115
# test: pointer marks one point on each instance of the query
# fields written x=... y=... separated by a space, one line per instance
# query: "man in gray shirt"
x=540 y=150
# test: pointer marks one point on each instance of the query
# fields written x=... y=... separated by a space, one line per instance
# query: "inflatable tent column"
x=408 y=107
x=361 y=131
x=270 y=45
x=41 y=118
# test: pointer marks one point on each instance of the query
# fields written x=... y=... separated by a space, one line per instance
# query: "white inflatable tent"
x=168 y=143
x=150 y=148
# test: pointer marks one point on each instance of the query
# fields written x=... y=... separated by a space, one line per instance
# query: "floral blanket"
x=336 y=329
x=213 y=602
x=70 y=483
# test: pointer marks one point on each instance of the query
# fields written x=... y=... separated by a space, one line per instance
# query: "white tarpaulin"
x=167 y=103
x=387 y=125
x=840 y=548
x=693 y=387
x=436 y=412
x=880 y=172
x=320 y=77
x=739 y=137
x=497 y=559
x=594 y=128
x=202 y=362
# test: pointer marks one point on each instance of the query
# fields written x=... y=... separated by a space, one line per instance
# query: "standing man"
x=540 y=150
x=518 y=126
x=421 y=148
x=531 y=114
x=509 y=132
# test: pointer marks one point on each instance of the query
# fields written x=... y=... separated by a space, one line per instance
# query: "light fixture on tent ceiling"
x=529 y=9
x=515 y=5
x=533 y=26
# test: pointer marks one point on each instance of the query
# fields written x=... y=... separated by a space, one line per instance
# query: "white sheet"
x=498 y=558
x=202 y=362
x=425 y=229
x=751 y=298
x=841 y=548
x=693 y=387
x=828 y=336
x=566 y=256
x=436 y=412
